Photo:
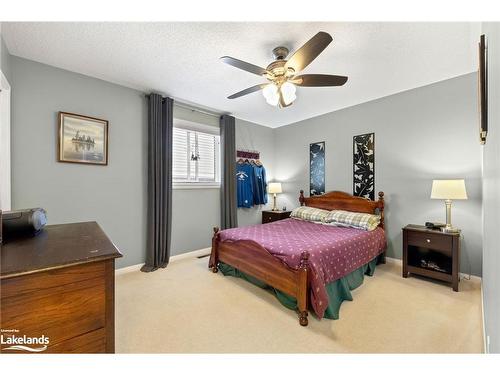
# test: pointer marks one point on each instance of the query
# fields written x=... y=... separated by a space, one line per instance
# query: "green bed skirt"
x=338 y=291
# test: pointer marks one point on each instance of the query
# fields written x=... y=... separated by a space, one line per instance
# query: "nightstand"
x=270 y=216
x=431 y=253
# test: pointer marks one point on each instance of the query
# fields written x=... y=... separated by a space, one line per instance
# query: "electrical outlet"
x=487 y=343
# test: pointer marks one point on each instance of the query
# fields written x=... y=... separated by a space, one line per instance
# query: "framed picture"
x=483 y=89
x=363 y=166
x=317 y=168
x=82 y=139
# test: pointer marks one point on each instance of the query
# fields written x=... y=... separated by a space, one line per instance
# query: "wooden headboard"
x=338 y=200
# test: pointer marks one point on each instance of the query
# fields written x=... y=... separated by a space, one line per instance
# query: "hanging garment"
x=245 y=184
x=260 y=185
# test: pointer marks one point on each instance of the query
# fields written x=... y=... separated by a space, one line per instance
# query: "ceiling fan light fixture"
x=288 y=90
x=283 y=73
x=270 y=92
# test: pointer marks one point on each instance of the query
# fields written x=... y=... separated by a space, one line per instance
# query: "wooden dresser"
x=57 y=288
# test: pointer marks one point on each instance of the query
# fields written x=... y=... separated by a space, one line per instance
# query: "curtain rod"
x=193 y=109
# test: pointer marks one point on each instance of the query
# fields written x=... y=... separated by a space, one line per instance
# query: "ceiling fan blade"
x=309 y=51
x=248 y=91
x=243 y=65
x=315 y=80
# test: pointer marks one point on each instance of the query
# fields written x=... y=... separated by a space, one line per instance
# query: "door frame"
x=5 y=143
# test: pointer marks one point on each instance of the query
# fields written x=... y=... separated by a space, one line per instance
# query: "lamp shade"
x=448 y=189
x=274 y=187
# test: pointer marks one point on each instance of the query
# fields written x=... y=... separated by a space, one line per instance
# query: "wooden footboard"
x=251 y=258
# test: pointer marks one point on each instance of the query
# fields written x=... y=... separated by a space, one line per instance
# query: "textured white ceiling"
x=181 y=59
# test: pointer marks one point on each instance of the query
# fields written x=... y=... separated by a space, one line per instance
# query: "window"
x=195 y=158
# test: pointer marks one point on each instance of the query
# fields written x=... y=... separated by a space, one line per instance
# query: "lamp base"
x=450 y=229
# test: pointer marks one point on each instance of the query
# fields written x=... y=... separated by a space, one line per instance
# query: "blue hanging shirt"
x=244 y=184
x=260 y=185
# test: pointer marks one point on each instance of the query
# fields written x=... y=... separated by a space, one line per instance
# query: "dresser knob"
x=428 y=241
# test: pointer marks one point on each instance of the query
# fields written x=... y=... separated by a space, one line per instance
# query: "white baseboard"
x=132 y=268
x=393 y=260
x=191 y=254
x=174 y=258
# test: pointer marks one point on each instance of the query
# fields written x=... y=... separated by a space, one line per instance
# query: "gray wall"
x=192 y=226
x=421 y=134
x=114 y=195
x=255 y=137
x=491 y=194
x=194 y=213
x=197 y=211
x=5 y=60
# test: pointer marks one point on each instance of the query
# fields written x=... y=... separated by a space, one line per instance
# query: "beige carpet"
x=187 y=309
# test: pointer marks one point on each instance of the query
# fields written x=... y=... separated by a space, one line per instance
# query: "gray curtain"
x=229 y=218
x=159 y=223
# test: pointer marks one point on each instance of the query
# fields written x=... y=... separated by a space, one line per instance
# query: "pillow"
x=352 y=219
x=309 y=213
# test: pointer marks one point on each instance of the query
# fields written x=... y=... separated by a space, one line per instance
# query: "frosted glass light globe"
x=270 y=92
x=288 y=91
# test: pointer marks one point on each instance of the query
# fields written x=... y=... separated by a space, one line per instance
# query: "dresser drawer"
x=430 y=240
x=30 y=283
x=60 y=313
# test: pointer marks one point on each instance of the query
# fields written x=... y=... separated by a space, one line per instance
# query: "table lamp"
x=274 y=188
x=448 y=190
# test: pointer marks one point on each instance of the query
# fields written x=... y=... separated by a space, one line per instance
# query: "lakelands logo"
x=22 y=342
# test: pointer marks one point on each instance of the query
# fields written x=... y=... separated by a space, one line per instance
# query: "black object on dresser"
x=431 y=253
x=270 y=216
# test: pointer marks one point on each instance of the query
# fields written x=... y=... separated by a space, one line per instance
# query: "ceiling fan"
x=282 y=73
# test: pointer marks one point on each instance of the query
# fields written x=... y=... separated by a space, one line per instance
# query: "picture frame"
x=483 y=89
x=363 y=166
x=82 y=139
x=317 y=168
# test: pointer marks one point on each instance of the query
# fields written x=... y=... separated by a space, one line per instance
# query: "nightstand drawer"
x=266 y=218
x=271 y=216
x=430 y=240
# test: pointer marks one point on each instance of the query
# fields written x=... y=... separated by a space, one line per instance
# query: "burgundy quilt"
x=334 y=251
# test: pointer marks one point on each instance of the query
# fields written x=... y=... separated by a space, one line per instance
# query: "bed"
x=300 y=259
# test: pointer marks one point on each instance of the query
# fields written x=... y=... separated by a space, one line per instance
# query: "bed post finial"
x=303 y=288
x=302 y=200
x=214 y=254
x=382 y=222
x=381 y=207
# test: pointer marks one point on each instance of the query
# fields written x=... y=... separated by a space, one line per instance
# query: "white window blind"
x=195 y=157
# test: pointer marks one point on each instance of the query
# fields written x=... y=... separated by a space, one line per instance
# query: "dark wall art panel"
x=363 y=179
x=317 y=168
x=483 y=89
